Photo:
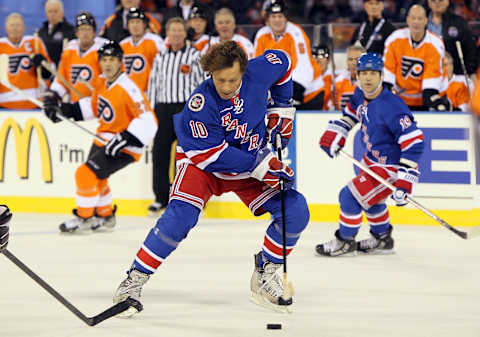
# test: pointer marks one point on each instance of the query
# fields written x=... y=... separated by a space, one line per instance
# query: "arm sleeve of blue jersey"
x=276 y=68
x=408 y=136
x=202 y=139
x=350 y=110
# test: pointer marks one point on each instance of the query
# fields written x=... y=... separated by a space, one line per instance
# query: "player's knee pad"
x=296 y=211
x=86 y=180
x=376 y=209
x=348 y=203
x=177 y=220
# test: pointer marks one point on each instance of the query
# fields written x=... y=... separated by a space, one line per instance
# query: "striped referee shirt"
x=175 y=75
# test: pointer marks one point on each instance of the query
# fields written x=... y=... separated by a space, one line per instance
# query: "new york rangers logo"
x=18 y=62
x=82 y=71
x=412 y=66
x=134 y=63
x=105 y=110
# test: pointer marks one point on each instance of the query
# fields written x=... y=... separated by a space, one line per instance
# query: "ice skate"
x=155 y=209
x=77 y=224
x=131 y=287
x=267 y=287
x=337 y=247
x=377 y=244
x=105 y=223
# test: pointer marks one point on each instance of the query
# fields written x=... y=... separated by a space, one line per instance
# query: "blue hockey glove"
x=406 y=180
x=333 y=139
x=270 y=170
x=119 y=141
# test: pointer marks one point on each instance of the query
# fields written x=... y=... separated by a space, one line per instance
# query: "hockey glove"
x=280 y=120
x=37 y=60
x=333 y=139
x=51 y=105
x=406 y=179
x=119 y=141
x=270 y=170
x=5 y=217
x=298 y=93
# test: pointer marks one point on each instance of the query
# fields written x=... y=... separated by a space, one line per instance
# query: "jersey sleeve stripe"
x=288 y=75
x=408 y=140
x=203 y=158
x=349 y=112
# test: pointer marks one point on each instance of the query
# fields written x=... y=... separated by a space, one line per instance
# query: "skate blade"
x=103 y=229
x=259 y=300
x=378 y=252
x=350 y=254
x=127 y=313
x=85 y=231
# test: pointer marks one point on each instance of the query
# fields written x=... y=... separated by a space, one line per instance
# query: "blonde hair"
x=176 y=19
x=14 y=15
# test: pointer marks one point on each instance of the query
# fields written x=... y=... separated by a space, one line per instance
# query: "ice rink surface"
x=429 y=288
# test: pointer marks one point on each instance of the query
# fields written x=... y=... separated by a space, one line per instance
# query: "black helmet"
x=197 y=12
x=136 y=13
x=110 y=48
x=85 y=18
x=321 y=51
x=277 y=6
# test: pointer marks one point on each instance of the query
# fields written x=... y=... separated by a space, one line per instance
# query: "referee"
x=176 y=72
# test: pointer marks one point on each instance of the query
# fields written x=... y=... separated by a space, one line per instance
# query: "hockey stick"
x=462 y=62
x=38 y=70
x=332 y=60
x=91 y=321
x=61 y=78
x=286 y=298
x=4 y=80
x=89 y=86
x=463 y=235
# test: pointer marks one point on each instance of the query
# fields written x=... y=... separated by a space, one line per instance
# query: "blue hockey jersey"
x=223 y=136
x=390 y=133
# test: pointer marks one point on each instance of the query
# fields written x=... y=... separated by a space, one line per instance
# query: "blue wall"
x=34 y=13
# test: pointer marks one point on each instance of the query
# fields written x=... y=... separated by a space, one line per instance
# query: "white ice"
x=429 y=288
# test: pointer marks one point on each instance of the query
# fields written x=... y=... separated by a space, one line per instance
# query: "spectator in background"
x=140 y=48
x=21 y=68
x=346 y=81
x=225 y=27
x=451 y=28
x=279 y=33
x=197 y=26
x=176 y=72
x=56 y=31
x=373 y=32
x=79 y=62
x=182 y=10
x=115 y=27
x=456 y=87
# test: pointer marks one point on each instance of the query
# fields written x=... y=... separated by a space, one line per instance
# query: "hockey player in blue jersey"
x=393 y=145
x=222 y=138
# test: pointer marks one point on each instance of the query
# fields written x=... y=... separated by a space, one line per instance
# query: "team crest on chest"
x=134 y=63
x=237 y=105
x=18 y=62
x=81 y=71
x=362 y=111
x=196 y=102
x=105 y=110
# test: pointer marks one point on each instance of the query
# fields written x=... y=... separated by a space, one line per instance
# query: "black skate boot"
x=337 y=247
x=377 y=244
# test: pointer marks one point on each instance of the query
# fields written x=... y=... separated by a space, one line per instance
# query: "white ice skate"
x=77 y=225
x=337 y=247
x=131 y=287
x=267 y=287
x=105 y=223
x=377 y=244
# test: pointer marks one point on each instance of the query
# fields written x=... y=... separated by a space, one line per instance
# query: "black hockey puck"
x=274 y=326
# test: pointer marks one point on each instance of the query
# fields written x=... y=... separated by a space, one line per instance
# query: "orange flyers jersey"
x=21 y=72
x=476 y=96
x=411 y=70
x=296 y=43
x=457 y=92
x=345 y=88
x=316 y=86
x=201 y=42
x=153 y=25
x=118 y=107
x=241 y=40
x=78 y=68
x=138 y=57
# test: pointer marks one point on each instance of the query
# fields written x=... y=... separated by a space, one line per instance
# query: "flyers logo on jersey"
x=412 y=66
x=83 y=72
x=134 y=63
x=18 y=62
x=105 y=110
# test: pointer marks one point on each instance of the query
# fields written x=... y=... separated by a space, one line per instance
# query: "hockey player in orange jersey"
x=79 y=61
x=140 y=48
x=413 y=60
x=455 y=86
x=279 y=33
x=346 y=80
x=126 y=122
x=25 y=53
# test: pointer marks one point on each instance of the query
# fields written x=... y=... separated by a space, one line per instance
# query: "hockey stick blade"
x=91 y=321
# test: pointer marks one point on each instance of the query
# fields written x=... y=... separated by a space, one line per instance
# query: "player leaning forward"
x=393 y=145
x=128 y=124
x=222 y=139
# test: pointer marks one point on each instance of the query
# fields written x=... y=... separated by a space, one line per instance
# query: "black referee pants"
x=162 y=144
